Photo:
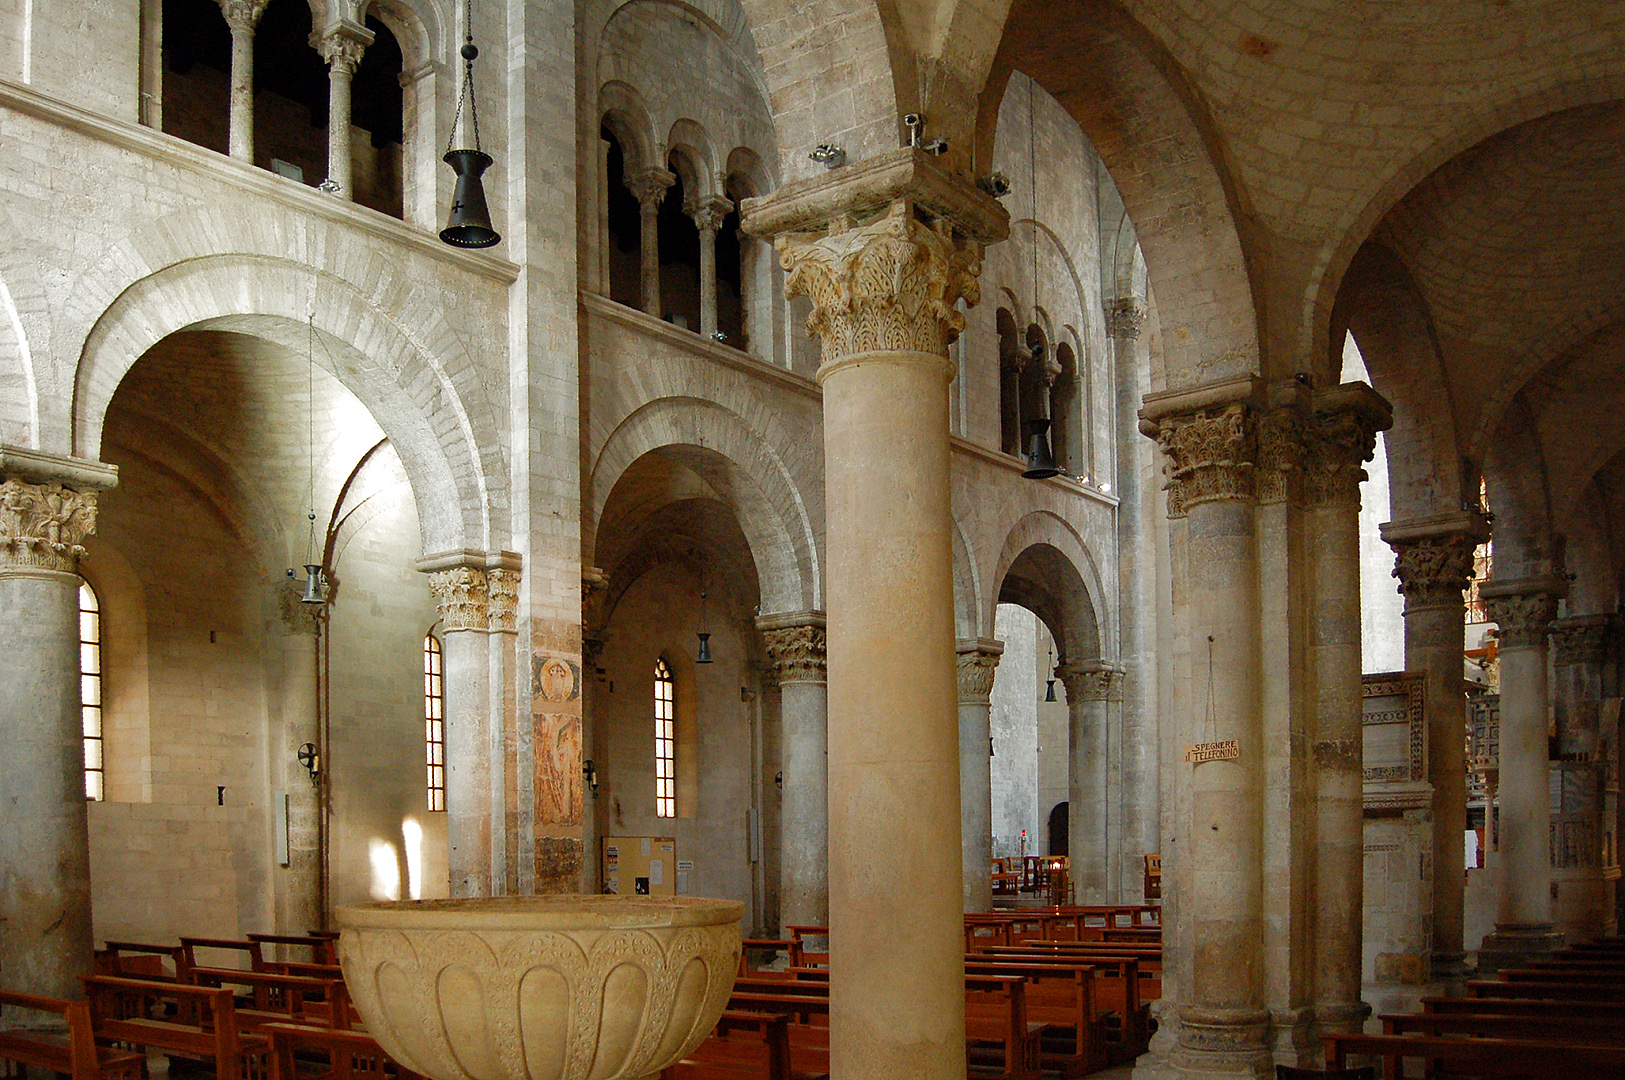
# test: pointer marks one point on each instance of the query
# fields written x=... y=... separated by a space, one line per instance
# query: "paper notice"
x=657 y=873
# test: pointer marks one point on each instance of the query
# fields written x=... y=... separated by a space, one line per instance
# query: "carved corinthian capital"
x=1342 y=436
x=503 y=606
x=798 y=653
x=1126 y=317
x=1090 y=681
x=1584 y=639
x=464 y=597
x=1434 y=557
x=1523 y=619
x=649 y=186
x=888 y=285
x=242 y=15
x=43 y=526
x=1283 y=457
x=1211 y=455
x=342 y=47
x=977 y=663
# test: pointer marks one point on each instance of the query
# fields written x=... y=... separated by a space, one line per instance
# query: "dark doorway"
x=1058 y=830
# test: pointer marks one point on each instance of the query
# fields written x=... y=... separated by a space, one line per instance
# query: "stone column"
x=341 y=48
x=1136 y=571
x=708 y=215
x=795 y=642
x=1434 y=562
x=649 y=188
x=242 y=16
x=47 y=509
x=899 y=249
x=1341 y=437
x=1523 y=611
x=464 y=599
x=978 y=660
x=1089 y=684
x=1582 y=649
x=1209 y=437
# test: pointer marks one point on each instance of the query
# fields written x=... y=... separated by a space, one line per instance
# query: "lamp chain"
x=469 y=53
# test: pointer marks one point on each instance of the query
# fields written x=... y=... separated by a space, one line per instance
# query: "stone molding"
x=891 y=284
x=649 y=186
x=978 y=661
x=1433 y=557
x=1125 y=318
x=243 y=15
x=1284 y=457
x=799 y=653
x=1522 y=610
x=1583 y=639
x=1090 y=680
x=43 y=526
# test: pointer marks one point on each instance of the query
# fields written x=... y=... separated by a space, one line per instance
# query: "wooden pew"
x=1537 y=1059
x=323 y=949
x=1064 y=999
x=249 y=950
x=274 y=998
x=764 y=1051
x=1614 y=976
x=789 y=947
x=1592 y=1032
x=800 y=957
x=351 y=1055
x=139 y=960
x=1599 y=1010
x=205 y=1026
x=73 y=1053
x=1552 y=991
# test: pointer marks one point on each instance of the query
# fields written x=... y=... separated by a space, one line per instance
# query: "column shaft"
x=1087 y=684
x=473 y=763
x=708 y=281
x=977 y=662
x=797 y=645
x=241 y=17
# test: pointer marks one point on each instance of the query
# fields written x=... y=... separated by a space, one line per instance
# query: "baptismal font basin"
x=540 y=987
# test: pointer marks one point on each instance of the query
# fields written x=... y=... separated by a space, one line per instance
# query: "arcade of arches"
x=1317 y=303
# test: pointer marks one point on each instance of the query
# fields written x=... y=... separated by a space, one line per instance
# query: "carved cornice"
x=978 y=660
x=891 y=284
x=1126 y=318
x=1090 y=681
x=1584 y=639
x=1523 y=618
x=463 y=596
x=43 y=526
x=649 y=186
x=503 y=604
x=242 y=15
x=1211 y=456
x=709 y=213
x=798 y=653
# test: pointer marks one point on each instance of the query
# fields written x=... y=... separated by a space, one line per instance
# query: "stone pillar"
x=900 y=247
x=1434 y=563
x=1209 y=437
x=472 y=770
x=796 y=644
x=341 y=48
x=649 y=188
x=1136 y=571
x=47 y=509
x=1089 y=684
x=978 y=660
x=1582 y=649
x=1523 y=611
x=1341 y=437
x=708 y=215
x=242 y=16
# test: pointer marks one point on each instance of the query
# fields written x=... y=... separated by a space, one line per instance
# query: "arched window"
x=434 y=721
x=90 y=690
x=665 y=744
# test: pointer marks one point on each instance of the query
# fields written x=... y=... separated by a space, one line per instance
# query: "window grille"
x=665 y=744
x=90 y=691
x=434 y=721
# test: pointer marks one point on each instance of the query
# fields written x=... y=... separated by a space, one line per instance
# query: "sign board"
x=639 y=865
x=1228 y=750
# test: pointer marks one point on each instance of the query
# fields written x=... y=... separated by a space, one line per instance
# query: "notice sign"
x=1229 y=750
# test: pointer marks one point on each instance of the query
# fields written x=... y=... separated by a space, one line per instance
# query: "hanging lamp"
x=315 y=577
x=1040 y=460
x=469 y=224
x=703 y=655
x=1049 y=690
x=1040 y=457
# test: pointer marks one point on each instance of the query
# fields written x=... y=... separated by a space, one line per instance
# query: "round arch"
x=1045 y=567
x=743 y=467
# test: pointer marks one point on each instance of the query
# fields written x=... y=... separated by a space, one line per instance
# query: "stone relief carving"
x=243 y=14
x=1523 y=620
x=1090 y=683
x=1211 y=456
x=341 y=50
x=1583 y=640
x=44 y=526
x=463 y=596
x=649 y=186
x=889 y=285
x=798 y=653
x=1282 y=454
x=976 y=677
x=1126 y=318
x=1434 y=570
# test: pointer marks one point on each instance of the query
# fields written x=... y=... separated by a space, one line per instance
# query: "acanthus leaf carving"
x=502 y=609
x=976 y=671
x=1523 y=619
x=1434 y=570
x=464 y=597
x=798 y=652
x=1211 y=455
x=44 y=526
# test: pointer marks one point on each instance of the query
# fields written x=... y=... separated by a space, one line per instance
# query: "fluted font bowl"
x=540 y=987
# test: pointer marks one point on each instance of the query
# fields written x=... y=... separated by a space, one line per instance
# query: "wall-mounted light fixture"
x=311 y=760
x=589 y=774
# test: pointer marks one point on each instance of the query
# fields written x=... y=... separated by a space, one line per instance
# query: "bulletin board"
x=640 y=865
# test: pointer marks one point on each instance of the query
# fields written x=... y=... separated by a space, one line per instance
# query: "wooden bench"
x=1551 y=991
x=323 y=950
x=996 y=1017
x=351 y=1055
x=274 y=998
x=72 y=1053
x=1535 y=1059
x=1063 y=998
x=1600 y=1010
x=249 y=950
x=790 y=948
x=1590 y=1031
x=139 y=960
x=204 y=1027
x=764 y=1052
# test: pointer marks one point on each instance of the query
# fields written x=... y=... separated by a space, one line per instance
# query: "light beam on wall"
x=386 y=870
x=412 y=832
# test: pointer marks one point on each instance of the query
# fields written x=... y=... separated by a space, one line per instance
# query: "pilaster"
x=978 y=660
x=796 y=644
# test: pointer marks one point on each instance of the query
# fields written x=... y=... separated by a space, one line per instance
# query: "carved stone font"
x=890 y=284
x=44 y=526
x=1524 y=619
x=976 y=677
x=798 y=653
x=1211 y=455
